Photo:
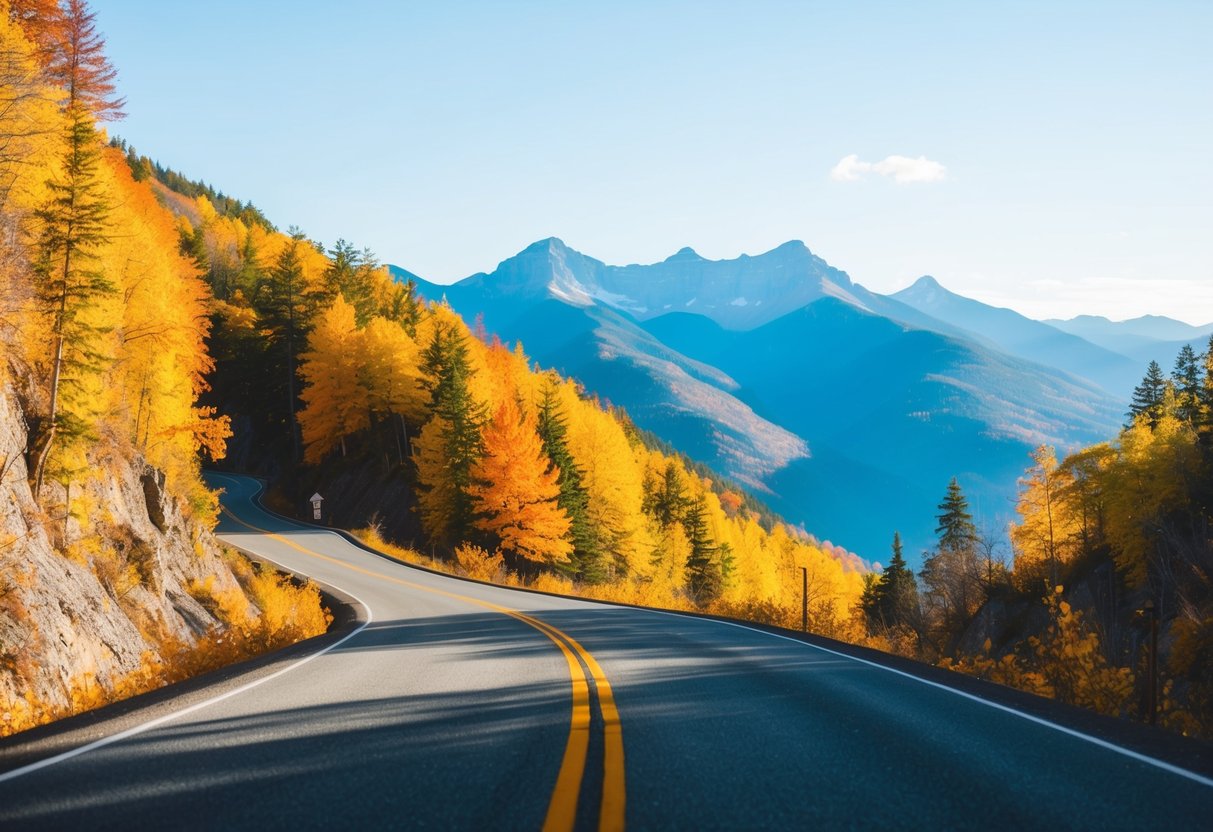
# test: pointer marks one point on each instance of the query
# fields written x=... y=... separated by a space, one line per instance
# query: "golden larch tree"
x=391 y=375
x=335 y=404
x=514 y=490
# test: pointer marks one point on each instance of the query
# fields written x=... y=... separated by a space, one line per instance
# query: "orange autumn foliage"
x=514 y=490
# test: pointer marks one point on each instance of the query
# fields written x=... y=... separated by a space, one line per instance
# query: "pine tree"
x=335 y=404
x=952 y=572
x=1206 y=392
x=74 y=220
x=1147 y=396
x=587 y=561
x=458 y=418
x=897 y=591
x=703 y=572
x=955 y=529
x=514 y=490
x=349 y=274
x=1187 y=381
x=665 y=496
x=281 y=305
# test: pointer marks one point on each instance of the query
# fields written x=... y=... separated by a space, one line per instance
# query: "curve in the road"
x=562 y=810
x=452 y=711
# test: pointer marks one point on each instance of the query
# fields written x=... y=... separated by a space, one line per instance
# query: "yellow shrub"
x=476 y=563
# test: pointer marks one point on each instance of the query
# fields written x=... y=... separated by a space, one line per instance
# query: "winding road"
x=448 y=704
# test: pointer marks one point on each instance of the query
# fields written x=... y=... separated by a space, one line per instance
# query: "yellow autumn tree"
x=438 y=500
x=390 y=374
x=335 y=404
x=1150 y=477
x=613 y=479
x=1047 y=536
x=514 y=490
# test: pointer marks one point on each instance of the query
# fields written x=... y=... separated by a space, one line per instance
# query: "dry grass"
x=269 y=611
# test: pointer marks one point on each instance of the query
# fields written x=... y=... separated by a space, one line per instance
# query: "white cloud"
x=902 y=169
x=849 y=169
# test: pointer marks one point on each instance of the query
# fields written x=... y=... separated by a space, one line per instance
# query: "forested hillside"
x=110 y=580
x=1111 y=555
x=499 y=454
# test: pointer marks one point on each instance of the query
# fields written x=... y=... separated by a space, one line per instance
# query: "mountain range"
x=846 y=410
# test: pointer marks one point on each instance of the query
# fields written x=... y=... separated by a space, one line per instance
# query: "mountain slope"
x=909 y=407
x=891 y=399
x=1023 y=337
x=688 y=403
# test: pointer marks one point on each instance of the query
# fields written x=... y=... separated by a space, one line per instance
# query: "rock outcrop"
x=89 y=594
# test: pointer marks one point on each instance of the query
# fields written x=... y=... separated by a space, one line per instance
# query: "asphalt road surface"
x=448 y=704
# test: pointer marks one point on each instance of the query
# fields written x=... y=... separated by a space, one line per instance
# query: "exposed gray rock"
x=88 y=613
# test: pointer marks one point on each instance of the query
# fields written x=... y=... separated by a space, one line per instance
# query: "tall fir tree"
x=703 y=573
x=951 y=574
x=896 y=593
x=282 y=309
x=349 y=273
x=1206 y=393
x=955 y=529
x=665 y=498
x=457 y=420
x=1147 y=396
x=587 y=561
x=1186 y=378
x=74 y=229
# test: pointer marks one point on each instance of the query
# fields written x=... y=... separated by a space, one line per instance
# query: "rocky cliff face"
x=87 y=597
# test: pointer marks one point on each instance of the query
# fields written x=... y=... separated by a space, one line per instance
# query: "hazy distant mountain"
x=895 y=412
x=1100 y=330
x=1145 y=339
x=1023 y=337
x=849 y=409
x=531 y=298
x=737 y=294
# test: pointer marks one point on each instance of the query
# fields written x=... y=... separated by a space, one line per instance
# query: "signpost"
x=804 y=599
x=316 y=501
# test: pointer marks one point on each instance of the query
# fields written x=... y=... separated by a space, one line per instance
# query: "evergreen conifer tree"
x=588 y=561
x=897 y=591
x=1147 y=396
x=1187 y=381
x=703 y=573
x=74 y=227
x=446 y=371
x=282 y=309
x=952 y=572
x=665 y=497
x=955 y=529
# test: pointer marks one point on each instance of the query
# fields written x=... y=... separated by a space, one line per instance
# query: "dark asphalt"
x=442 y=714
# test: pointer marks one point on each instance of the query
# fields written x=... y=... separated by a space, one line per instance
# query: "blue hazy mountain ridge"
x=689 y=404
x=847 y=411
x=892 y=412
x=1144 y=339
x=1020 y=336
x=1097 y=328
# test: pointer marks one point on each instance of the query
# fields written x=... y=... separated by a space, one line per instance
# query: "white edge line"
x=156 y=723
x=1165 y=766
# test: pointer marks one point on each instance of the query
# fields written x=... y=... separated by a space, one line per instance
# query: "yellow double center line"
x=562 y=810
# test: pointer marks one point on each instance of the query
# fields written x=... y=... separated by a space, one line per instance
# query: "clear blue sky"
x=1065 y=149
